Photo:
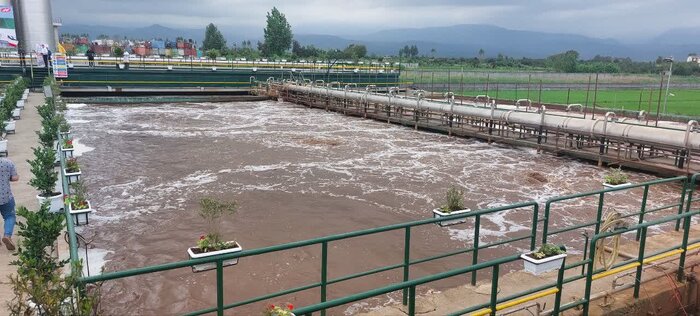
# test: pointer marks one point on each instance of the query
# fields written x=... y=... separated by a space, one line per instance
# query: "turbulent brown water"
x=300 y=173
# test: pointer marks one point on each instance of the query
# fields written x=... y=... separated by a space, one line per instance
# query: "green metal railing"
x=408 y=285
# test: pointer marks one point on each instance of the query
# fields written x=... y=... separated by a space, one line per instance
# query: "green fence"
x=404 y=264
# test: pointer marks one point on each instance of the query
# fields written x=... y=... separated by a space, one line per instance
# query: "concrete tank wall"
x=36 y=22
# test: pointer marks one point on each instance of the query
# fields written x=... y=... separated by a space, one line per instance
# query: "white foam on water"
x=95 y=259
x=79 y=148
x=75 y=105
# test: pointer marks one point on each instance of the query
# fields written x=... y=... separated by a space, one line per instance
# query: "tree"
x=564 y=62
x=213 y=39
x=278 y=34
x=356 y=51
x=481 y=54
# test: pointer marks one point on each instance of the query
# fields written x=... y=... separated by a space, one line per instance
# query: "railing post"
x=684 y=247
x=220 y=288
x=475 y=253
x=494 y=289
x=545 y=222
x=640 y=260
x=533 y=238
x=589 y=275
x=560 y=287
x=324 y=273
x=406 y=261
x=412 y=301
x=644 y=208
x=599 y=216
x=680 y=207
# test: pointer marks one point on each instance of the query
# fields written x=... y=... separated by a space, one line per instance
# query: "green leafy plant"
x=548 y=250
x=77 y=200
x=42 y=168
x=72 y=165
x=454 y=200
x=67 y=143
x=616 y=176
x=212 y=211
x=64 y=127
x=39 y=287
x=276 y=310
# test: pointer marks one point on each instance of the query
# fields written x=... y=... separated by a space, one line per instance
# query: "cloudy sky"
x=626 y=20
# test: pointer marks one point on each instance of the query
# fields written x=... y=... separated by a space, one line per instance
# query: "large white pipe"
x=609 y=129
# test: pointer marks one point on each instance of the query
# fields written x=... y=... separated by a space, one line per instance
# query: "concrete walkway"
x=20 y=150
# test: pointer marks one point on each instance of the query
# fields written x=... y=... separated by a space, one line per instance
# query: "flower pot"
x=55 y=201
x=72 y=177
x=438 y=213
x=65 y=134
x=3 y=147
x=10 y=126
x=539 y=266
x=615 y=186
x=67 y=152
x=20 y=104
x=212 y=265
x=80 y=217
x=16 y=113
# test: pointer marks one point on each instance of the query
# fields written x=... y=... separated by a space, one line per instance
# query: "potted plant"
x=549 y=257
x=64 y=127
x=273 y=310
x=78 y=205
x=616 y=178
x=454 y=205
x=67 y=147
x=45 y=178
x=211 y=244
x=72 y=170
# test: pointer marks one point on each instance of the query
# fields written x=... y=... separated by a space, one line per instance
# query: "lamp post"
x=668 y=83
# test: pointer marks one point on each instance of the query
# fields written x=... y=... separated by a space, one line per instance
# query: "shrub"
x=549 y=250
x=211 y=211
x=616 y=176
x=42 y=168
x=454 y=200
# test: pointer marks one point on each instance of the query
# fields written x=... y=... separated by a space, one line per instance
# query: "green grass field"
x=680 y=101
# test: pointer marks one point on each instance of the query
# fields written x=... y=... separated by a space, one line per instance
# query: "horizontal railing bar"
x=638 y=185
x=402 y=285
x=575 y=227
x=366 y=273
x=291 y=245
x=257 y=299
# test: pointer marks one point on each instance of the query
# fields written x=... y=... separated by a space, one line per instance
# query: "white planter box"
x=20 y=104
x=65 y=134
x=212 y=265
x=3 y=147
x=67 y=152
x=10 y=126
x=56 y=202
x=16 y=113
x=72 y=177
x=437 y=213
x=539 y=266
x=80 y=217
x=615 y=186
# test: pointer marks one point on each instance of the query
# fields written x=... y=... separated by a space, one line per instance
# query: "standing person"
x=8 y=174
x=91 y=57
x=20 y=52
x=45 y=55
x=125 y=59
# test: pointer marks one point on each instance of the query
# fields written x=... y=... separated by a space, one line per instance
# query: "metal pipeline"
x=632 y=133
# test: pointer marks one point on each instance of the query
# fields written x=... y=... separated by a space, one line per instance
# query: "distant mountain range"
x=450 y=41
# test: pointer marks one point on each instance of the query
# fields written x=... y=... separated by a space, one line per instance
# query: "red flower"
x=271 y=306
x=201 y=237
x=290 y=306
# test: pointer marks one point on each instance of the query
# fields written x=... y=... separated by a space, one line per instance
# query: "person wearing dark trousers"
x=45 y=55
x=91 y=57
